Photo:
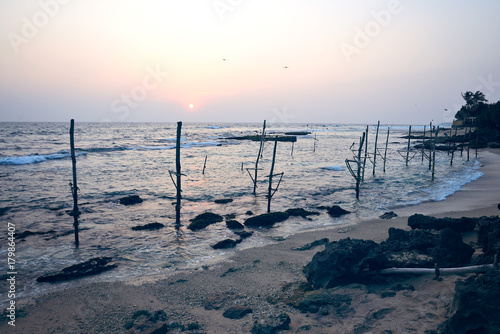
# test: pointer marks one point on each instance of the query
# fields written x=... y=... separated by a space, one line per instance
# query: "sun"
x=191 y=106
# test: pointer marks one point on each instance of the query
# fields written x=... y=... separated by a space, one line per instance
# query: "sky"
x=286 y=61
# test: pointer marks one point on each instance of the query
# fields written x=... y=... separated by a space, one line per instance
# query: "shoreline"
x=254 y=276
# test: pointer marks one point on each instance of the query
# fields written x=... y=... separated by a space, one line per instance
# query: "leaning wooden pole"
x=408 y=148
x=178 y=174
x=366 y=155
x=74 y=185
x=423 y=146
x=204 y=165
x=386 y=143
x=430 y=146
x=375 y=151
x=258 y=157
x=434 y=153
x=270 y=189
x=358 y=178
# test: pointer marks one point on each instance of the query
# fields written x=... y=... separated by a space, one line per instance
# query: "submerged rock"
x=91 y=267
x=203 y=220
x=301 y=212
x=337 y=211
x=243 y=234
x=234 y=224
x=131 y=200
x=148 y=227
x=226 y=243
x=464 y=224
x=266 y=219
x=223 y=200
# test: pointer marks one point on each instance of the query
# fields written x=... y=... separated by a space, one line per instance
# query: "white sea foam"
x=335 y=168
x=36 y=158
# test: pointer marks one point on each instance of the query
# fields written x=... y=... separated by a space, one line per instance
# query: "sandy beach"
x=263 y=280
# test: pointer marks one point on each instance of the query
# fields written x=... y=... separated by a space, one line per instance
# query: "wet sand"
x=261 y=279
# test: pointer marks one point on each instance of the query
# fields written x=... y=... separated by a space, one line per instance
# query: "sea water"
x=120 y=159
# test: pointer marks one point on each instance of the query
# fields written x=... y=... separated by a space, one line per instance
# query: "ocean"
x=120 y=159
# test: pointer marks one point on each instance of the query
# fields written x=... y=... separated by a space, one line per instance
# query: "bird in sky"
x=285 y=66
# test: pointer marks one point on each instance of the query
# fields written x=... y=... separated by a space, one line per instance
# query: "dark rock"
x=415 y=240
x=400 y=287
x=313 y=244
x=243 y=234
x=234 y=224
x=488 y=235
x=28 y=233
x=475 y=305
x=301 y=212
x=388 y=215
x=464 y=224
x=203 y=220
x=149 y=227
x=226 y=243
x=91 y=267
x=223 y=200
x=314 y=300
x=249 y=213
x=344 y=262
x=337 y=211
x=272 y=325
x=237 y=312
x=451 y=251
x=130 y=200
x=266 y=219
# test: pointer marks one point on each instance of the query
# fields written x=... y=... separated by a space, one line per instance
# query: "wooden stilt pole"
x=204 y=165
x=270 y=189
x=258 y=157
x=386 y=143
x=468 y=143
x=434 y=153
x=375 y=151
x=430 y=146
x=178 y=174
x=423 y=145
x=366 y=154
x=74 y=185
x=408 y=148
x=358 y=178
x=291 y=153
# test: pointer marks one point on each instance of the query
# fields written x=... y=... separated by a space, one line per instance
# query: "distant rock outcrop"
x=337 y=211
x=460 y=225
x=148 y=227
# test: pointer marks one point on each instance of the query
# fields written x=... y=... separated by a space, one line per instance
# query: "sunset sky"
x=322 y=61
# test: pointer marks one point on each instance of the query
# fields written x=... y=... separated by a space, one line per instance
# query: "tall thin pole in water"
x=386 y=143
x=408 y=148
x=375 y=151
x=258 y=157
x=430 y=146
x=178 y=174
x=74 y=185
x=434 y=152
x=423 y=145
x=270 y=189
x=366 y=154
x=358 y=178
